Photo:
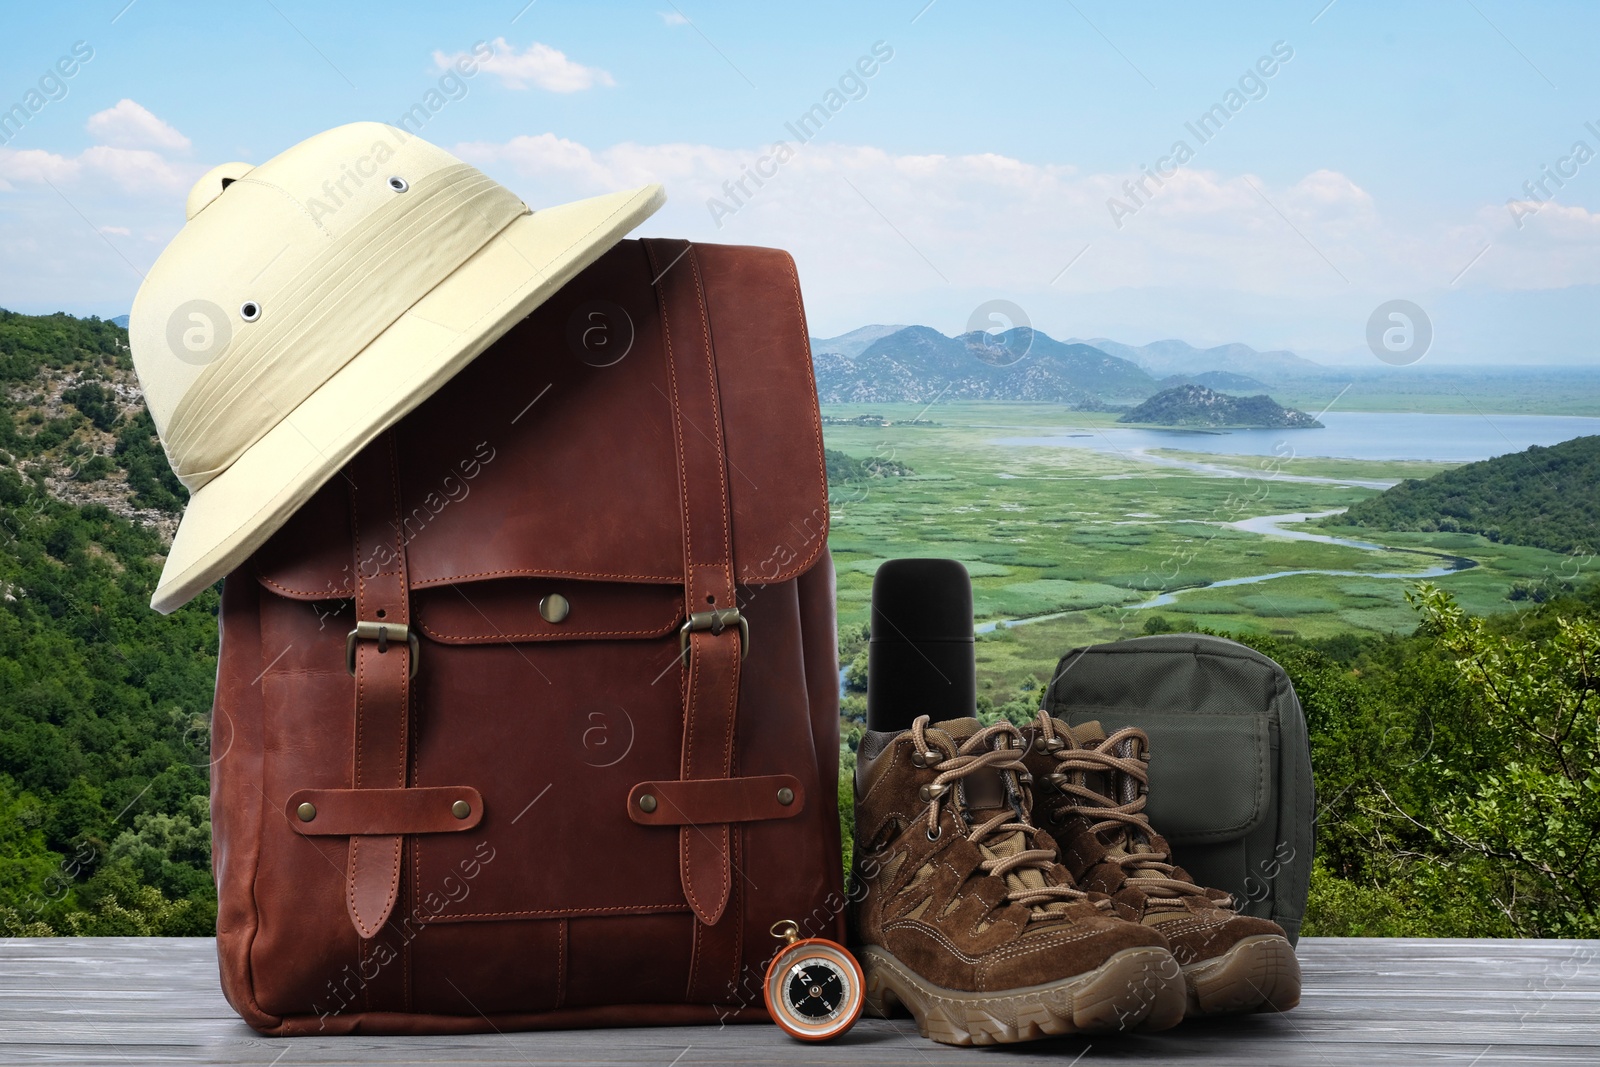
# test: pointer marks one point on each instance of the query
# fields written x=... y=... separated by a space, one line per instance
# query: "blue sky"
x=980 y=161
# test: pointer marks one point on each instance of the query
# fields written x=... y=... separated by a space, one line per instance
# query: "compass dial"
x=816 y=989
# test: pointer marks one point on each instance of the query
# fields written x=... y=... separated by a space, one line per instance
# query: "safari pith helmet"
x=312 y=301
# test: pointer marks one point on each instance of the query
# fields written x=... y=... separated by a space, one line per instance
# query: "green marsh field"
x=1074 y=545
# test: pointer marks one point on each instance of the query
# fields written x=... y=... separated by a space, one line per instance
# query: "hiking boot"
x=1092 y=791
x=961 y=914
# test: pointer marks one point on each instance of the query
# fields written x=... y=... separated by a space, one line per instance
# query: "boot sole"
x=1258 y=974
x=1138 y=989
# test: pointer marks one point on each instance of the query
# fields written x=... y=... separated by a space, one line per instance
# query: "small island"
x=1195 y=405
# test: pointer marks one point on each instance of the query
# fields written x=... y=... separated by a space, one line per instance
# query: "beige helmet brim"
x=232 y=515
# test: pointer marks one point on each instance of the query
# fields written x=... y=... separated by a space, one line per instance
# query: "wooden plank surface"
x=95 y=1001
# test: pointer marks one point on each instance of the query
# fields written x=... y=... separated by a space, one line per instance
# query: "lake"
x=1346 y=435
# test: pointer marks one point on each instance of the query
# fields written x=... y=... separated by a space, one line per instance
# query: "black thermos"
x=920 y=657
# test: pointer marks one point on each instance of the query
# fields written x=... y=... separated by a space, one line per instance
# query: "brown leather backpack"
x=530 y=717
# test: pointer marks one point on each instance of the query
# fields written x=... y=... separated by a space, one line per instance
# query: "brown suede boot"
x=961 y=914
x=1092 y=796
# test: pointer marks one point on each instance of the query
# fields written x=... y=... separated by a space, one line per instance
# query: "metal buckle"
x=381 y=632
x=715 y=622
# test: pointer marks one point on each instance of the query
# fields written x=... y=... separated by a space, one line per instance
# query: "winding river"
x=1272 y=526
x=1218 y=471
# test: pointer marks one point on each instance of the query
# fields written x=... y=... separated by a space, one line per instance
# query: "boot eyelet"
x=931 y=792
x=924 y=759
x=1058 y=779
x=936 y=833
x=1054 y=744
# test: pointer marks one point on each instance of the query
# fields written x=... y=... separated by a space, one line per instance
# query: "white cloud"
x=674 y=18
x=33 y=166
x=1556 y=246
x=117 y=171
x=136 y=170
x=538 y=64
x=878 y=234
x=129 y=125
x=980 y=219
x=130 y=158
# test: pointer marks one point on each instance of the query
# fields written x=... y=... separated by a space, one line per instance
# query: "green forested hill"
x=1544 y=497
x=103 y=703
x=1195 y=405
x=846 y=468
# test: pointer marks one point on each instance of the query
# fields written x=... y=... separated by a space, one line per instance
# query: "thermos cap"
x=920 y=600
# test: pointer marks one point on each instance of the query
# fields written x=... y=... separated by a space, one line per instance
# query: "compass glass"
x=815 y=989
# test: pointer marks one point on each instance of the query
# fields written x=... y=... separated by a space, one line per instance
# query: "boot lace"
x=993 y=747
x=1126 y=824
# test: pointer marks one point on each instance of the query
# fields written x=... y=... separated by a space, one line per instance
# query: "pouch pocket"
x=1210 y=774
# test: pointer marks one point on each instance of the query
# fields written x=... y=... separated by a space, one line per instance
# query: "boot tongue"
x=1090 y=735
x=1087 y=734
x=1110 y=786
x=984 y=795
x=959 y=729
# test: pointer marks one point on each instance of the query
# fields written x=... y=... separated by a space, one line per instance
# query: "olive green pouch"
x=1230 y=763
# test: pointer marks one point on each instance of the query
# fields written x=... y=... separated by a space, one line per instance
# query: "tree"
x=1524 y=788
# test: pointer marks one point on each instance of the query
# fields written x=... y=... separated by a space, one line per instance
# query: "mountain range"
x=887 y=364
x=1180 y=357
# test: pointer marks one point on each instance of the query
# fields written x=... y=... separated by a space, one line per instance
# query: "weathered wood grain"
x=100 y=1001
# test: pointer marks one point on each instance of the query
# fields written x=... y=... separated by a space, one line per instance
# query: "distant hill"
x=1195 y=405
x=1220 y=380
x=1543 y=497
x=843 y=467
x=120 y=320
x=917 y=363
x=73 y=419
x=853 y=343
x=1162 y=358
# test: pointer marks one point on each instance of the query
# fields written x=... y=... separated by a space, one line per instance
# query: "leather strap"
x=711 y=696
x=716 y=801
x=382 y=677
x=706 y=853
x=371 y=812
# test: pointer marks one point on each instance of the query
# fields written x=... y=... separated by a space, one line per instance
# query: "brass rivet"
x=306 y=811
x=461 y=809
x=786 y=796
x=647 y=802
x=554 y=607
